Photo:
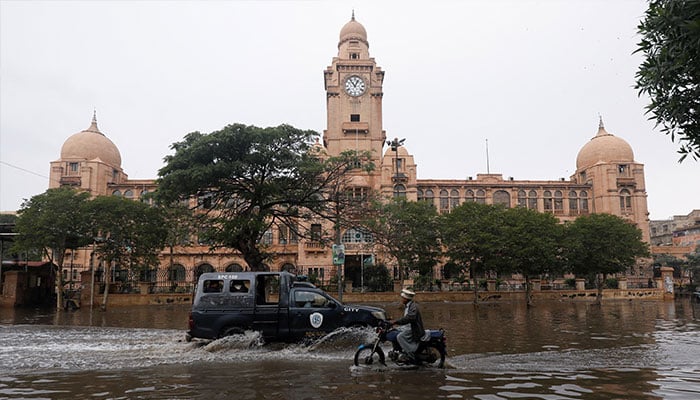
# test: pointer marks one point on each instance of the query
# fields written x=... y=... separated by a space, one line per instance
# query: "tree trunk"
x=472 y=271
x=528 y=291
x=599 y=283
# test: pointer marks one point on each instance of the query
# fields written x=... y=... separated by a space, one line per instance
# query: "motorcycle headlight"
x=380 y=315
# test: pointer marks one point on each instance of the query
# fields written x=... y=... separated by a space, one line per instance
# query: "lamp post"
x=395 y=144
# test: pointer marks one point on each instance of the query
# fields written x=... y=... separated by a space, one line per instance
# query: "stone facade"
x=607 y=178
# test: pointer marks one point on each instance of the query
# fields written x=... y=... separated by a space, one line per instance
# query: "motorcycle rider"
x=412 y=329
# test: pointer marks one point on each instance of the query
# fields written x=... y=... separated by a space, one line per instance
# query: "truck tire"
x=231 y=331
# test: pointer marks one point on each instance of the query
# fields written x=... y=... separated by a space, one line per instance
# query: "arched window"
x=202 y=268
x=235 y=267
x=481 y=196
x=573 y=202
x=176 y=273
x=522 y=198
x=399 y=190
x=117 y=193
x=454 y=199
x=419 y=194
x=469 y=195
x=444 y=200
x=501 y=197
x=144 y=197
x=558 y=201
x=583 y=197
x=548 y=204
x=430 y=197
x=625 y=200
x=128 y=194
x=532 y=200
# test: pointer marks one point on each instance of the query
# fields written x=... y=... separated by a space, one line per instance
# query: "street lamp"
x=395 y=144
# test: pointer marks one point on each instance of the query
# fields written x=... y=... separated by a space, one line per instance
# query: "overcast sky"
x=531 y=77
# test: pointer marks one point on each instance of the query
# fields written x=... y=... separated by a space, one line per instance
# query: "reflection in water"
x=625 y=350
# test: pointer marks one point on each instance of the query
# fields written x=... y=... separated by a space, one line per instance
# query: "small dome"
x=91 y=144
x=604 y=147
x=353 y=30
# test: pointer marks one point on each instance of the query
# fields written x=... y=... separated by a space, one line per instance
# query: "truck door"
x=312 y=314
x=267 y=307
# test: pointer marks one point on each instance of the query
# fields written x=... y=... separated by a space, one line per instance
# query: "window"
x=266 y=237
x=399 y=191
x=283 y=234
x=306 y=299
x=357 y=193
x=430 y=197
x=444 y=200
x=532 y=200
x=419 y=195
x=583 y=197
x=558 y=201
x=548 y=204
x=213 y=285
x=469 y=195
x=239 y=286
x=501 y=197
x=481 y=196
x=354 y=117
x=357 y=235
x=235 y=267
x=573 y=202
x=316 y=232
x=73 y=167
x=205 y=200
x=623 y=170
x=289 y=268
x=128 y=194
x=522 y=198
x=454 y=198
x=116 y=193
x=176 y=273
x=625 y=200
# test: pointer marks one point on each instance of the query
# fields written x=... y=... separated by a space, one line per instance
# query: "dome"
x=604 y=147
x=353 y=30
x=91 y=144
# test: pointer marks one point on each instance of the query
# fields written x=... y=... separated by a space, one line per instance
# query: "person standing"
x=412 y=325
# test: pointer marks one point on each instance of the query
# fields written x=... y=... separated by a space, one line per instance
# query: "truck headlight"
x=380 y=315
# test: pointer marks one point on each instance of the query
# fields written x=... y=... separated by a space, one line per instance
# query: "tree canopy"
x=248 y=180
x=670 y=72
x=601 y=244
x=410 y=232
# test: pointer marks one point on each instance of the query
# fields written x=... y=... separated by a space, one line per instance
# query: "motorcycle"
x=432 y=349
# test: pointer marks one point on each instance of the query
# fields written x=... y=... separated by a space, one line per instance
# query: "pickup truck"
x=276 y=304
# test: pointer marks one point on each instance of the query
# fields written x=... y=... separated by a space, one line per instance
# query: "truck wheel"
x=231 y=331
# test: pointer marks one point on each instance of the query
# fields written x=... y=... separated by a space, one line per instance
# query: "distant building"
x=607 y=179
x=678 y=236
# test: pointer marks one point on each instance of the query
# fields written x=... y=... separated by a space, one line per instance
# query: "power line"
x=24 y=169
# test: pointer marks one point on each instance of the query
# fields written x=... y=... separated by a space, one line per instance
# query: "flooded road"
x=556 y=350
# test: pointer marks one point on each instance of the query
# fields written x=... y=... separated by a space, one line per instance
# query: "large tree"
x=473 y=237
x=53 y=222
x=128 y=233
x=532 y=245
x=670 y=72
x=410 y=232
x=598 y=245
x=249 y=180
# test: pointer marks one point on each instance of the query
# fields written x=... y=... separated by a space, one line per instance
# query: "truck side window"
x=303 y=299
x=267 y=289
x=213 y=286
x=239 y=286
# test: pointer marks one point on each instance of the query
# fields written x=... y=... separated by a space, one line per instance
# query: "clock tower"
x=353 y=86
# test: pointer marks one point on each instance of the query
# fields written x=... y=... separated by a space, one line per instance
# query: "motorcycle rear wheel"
x=365 y=356
x=434 y=354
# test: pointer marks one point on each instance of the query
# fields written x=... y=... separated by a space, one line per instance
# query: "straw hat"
x=407 y=294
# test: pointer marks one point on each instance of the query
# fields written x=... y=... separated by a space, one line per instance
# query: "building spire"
x=93 y=124
x=600 y=122
x=353 y=15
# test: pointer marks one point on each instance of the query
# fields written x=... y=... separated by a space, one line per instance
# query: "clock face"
x=354 y=86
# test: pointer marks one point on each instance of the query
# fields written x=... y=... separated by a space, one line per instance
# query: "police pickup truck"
x=273 y=303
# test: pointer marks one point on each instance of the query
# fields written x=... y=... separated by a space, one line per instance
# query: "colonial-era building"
x=607 y=179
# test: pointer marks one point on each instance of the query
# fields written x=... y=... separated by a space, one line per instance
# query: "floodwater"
x=556 y=350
